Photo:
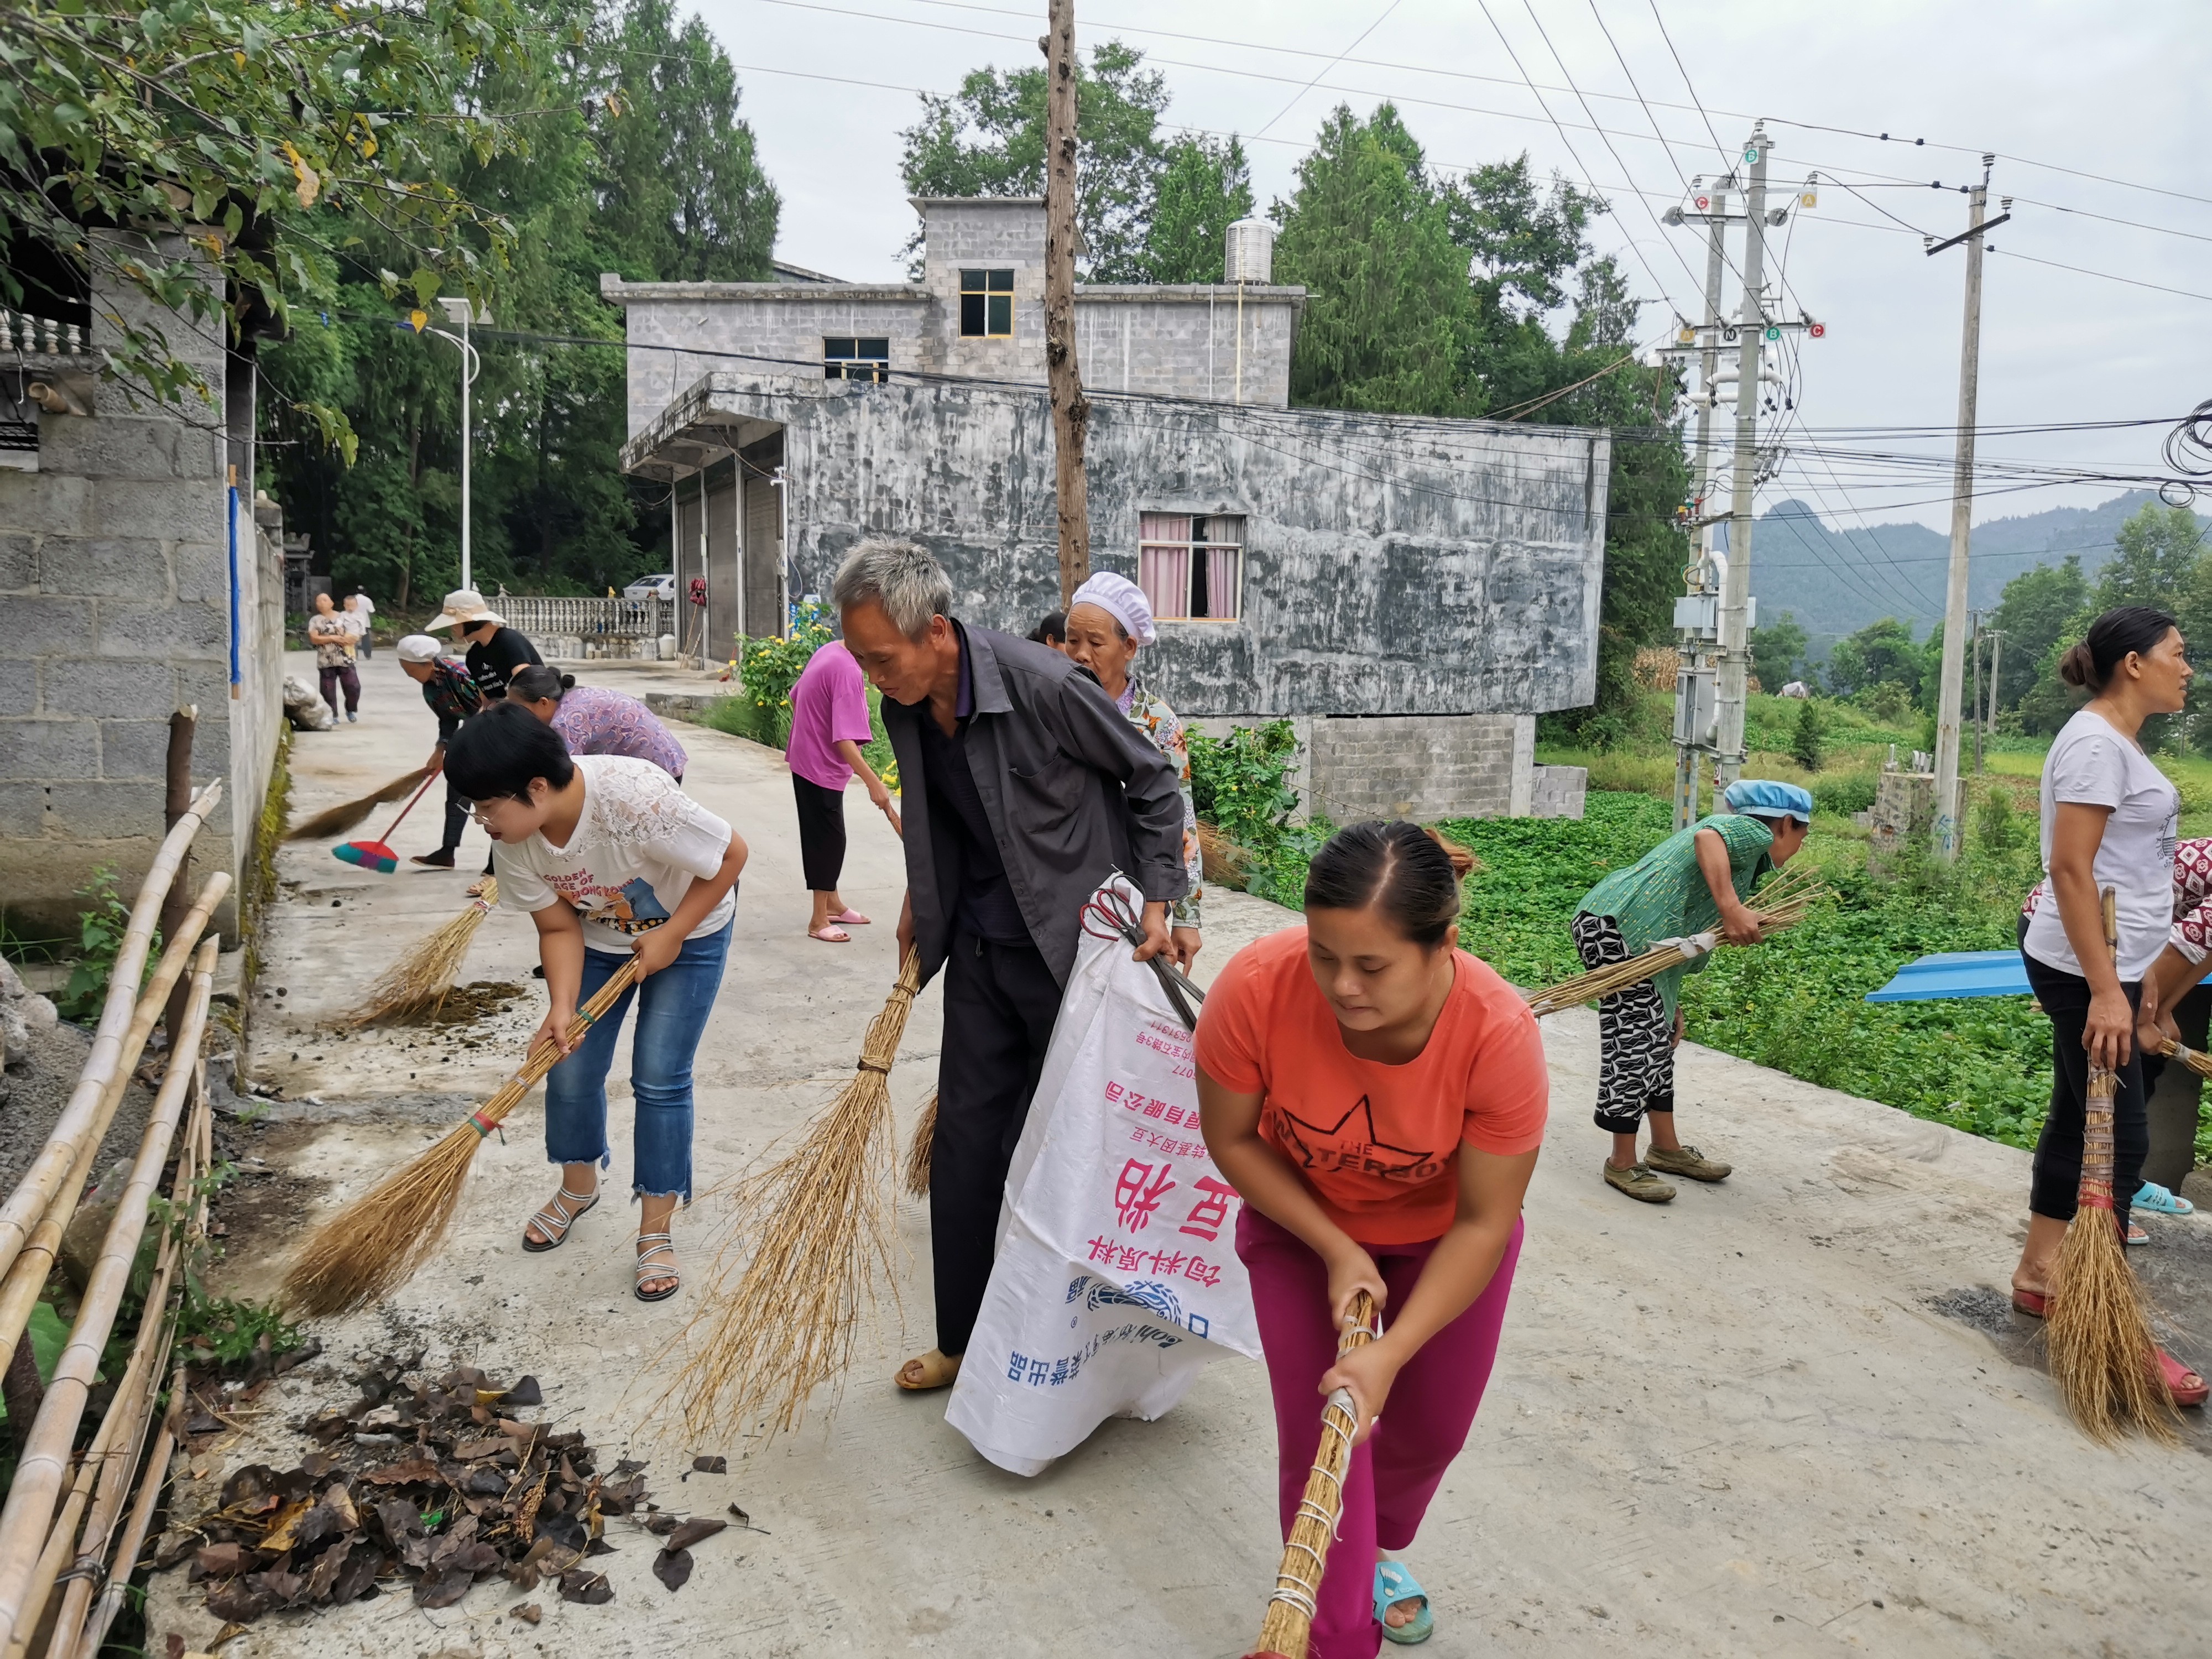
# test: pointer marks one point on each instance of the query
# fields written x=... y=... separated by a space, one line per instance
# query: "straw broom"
x=376 y=1244
x=1288 y=1623
x=337 y=820
x=920 y=1150
x=2102 y=1352
x=1784 y=903
x=2200 y=1064
x=818 y=1222
x=419 y=981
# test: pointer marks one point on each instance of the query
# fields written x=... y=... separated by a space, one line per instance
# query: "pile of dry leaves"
x=436 y=1483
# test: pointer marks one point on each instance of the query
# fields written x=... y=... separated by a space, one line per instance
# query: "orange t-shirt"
x=1377 y=1143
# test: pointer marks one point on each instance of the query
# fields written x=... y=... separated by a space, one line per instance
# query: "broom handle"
x=391 y=828
x=545 y=1055
x=1284 y=1631
x=2094 y=1191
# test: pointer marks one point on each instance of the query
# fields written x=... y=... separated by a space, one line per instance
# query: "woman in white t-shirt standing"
x=611 y=858
x=2110 y=819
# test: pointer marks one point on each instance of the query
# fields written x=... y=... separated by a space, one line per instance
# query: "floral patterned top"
x=2192 y=898
x=1151 y=714
x=593 y=720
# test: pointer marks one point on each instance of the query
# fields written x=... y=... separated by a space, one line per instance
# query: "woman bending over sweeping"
x=1695 y=881
x=593 y=720
x=1376 y=1097
x=2110 y=819
x=612 y=859
x=1107 y=621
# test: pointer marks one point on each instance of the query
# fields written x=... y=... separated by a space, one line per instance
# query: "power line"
x=1331 y=65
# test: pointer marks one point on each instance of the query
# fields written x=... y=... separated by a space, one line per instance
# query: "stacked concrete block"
x=120 y=590
x=1559 y=791
x=1423 y=767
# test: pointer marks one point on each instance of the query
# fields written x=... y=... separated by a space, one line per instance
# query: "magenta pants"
x=1395 y=1471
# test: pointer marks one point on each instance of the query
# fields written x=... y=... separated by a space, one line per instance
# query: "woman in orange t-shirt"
x=1376 y=1097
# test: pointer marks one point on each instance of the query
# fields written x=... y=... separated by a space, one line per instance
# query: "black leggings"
x=2057 y=1178
x=821 y=833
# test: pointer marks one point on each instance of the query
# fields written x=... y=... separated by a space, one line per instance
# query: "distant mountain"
x=1837 y=580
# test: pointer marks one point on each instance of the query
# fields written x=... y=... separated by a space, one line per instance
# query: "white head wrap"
x=1122 y=599
x=418 y=647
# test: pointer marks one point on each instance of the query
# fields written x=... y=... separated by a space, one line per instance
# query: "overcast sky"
x=2100 y=89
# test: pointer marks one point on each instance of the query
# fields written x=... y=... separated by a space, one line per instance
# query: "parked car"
x=651 y=587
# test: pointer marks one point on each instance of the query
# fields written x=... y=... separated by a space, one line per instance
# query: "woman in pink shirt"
x=829 y=723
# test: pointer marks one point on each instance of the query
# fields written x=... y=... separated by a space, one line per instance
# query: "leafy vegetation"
x=767 y=670
x=1241 y=785
x=101 y=927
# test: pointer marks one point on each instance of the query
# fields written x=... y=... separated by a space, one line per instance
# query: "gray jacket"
x=1072 y=790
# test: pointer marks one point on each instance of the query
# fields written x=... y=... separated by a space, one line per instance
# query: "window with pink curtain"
x=1192 y=569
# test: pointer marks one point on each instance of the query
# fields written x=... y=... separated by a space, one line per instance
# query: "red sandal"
x=2034 y=1303
x=2176 y=1375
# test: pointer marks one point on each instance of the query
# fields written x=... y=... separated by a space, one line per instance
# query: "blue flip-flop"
x=1394 y=1584
x=2157 y=1199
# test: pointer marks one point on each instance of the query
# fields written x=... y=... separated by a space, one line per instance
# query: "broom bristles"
x=2103 y=1354
x=378 y=1241
x=921 y=1150
x=419 y=981
x=337 y=820
x=768 y=1332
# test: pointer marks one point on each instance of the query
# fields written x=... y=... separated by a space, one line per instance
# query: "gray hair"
x=901 y=576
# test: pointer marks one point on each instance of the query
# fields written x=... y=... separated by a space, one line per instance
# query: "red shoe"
x=2033 y=1303
x=2182 y=1385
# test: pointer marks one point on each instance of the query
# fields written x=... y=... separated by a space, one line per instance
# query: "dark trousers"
x=821 y=833
x=2051 y=1191
x=1000 y=1001
x=333 y=678
x=457 y=817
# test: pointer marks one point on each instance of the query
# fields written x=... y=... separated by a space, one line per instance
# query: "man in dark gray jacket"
x=1024 y=787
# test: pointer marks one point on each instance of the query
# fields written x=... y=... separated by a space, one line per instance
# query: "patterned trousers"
x=1636 y=1037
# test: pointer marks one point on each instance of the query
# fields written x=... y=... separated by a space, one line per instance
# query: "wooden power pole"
x=1070 y=409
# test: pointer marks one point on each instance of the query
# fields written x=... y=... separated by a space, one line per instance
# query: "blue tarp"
x=1957 y=974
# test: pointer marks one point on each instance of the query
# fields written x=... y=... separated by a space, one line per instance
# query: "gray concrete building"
x=1413 y=592
x=137 y=576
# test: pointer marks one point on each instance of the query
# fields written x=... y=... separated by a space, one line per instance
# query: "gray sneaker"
x=1640 y=1184
x=1689 y=1162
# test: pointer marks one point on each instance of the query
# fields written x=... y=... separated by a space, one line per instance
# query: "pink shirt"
x=829 y=706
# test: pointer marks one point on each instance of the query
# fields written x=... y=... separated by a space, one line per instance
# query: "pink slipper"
x=851 y=919
x=831 y=935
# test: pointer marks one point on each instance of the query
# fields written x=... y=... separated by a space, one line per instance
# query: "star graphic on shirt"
x=1381 y=1159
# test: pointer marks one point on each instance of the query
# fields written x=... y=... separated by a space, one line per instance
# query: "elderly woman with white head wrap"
x=1109 y=621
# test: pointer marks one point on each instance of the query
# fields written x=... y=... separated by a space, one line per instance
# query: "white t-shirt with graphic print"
x=639 y=844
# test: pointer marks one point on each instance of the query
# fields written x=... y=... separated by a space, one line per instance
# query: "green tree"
x=2036 y=608
x=2154 y=558
x=988 y=139
x=1389 y=322
x=271 y=124
x=1806 y=744
x=1777 y=648
x=681 y=193
x=1882 y=654
x=1205 y=187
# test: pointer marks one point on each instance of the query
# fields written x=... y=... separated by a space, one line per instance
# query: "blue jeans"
x=672 y=1006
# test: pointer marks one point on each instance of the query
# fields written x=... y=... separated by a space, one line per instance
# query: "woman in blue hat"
x=1694 y=881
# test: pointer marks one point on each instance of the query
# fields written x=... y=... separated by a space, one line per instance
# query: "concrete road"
x=1789 y=1414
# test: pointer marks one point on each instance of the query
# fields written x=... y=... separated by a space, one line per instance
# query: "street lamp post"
x=458 y=311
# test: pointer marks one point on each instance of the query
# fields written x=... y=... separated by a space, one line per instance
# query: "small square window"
x=1192 y=567
x=864 y=358
x=987 y=304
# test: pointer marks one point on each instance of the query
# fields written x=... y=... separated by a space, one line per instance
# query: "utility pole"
x=1951 y=685
x=1997 y=662
x=1694 y=673
x=458 y=311
x=1070 y=409
x=1752 y=330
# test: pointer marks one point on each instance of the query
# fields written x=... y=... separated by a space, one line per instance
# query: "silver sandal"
x=648 y=1268
x=554 y=1219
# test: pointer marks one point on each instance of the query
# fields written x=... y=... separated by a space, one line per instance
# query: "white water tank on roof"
x=1250 y=255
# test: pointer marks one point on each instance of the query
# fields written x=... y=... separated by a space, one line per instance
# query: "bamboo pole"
x=150 y=1486
x=119 y=1465
x=20 y=1285
x=29 y=1512
x=20 y=1214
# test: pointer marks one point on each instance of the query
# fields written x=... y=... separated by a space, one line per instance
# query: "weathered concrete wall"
x=126 y=572
x=1393 y=565
x=1423 y=766
x=1182 y=342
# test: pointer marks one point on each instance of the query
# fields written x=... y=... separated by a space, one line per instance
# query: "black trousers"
x=1000 y=1001
x=821 y=833
x=2057 y=1178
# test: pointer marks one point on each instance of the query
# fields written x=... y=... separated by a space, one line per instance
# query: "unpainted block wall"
x=1423 y=766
